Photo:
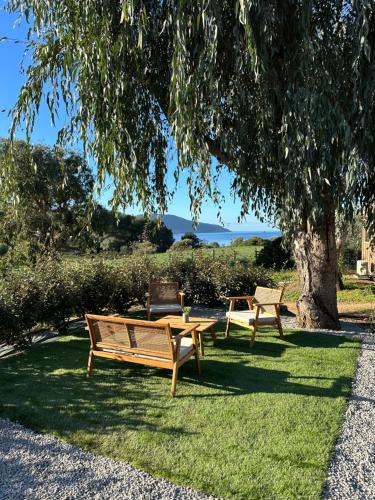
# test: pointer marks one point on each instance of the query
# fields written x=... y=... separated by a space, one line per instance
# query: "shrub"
x=196 y=242
x=182 y=245
x=237 y=241
x=3 y=248
x=252 y=241
x=275 y=255
x=143 y=247
x=256 y=241
x=19 y=308
x=207 y=279
x=53 y=291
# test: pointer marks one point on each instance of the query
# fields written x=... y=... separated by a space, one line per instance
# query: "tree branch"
x=217 y=152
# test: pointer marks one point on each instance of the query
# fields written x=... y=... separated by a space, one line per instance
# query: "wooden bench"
x=142 y=342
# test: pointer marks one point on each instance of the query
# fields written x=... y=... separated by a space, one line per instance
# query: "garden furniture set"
x=153 y=343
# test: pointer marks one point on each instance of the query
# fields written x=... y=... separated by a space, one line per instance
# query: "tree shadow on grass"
x=47 y=386
x=51 y=380
x=239 y=342
x=242 y=378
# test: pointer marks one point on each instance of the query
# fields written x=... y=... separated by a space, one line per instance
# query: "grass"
x=259 y=424
x=353 y=293
x=241 y=252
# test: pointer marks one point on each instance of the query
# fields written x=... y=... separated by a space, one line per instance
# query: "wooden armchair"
x=164 y=299
x=142 y=342
x=264 y=309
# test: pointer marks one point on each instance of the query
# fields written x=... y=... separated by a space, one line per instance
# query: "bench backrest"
x=134 y=336
x=264 y=295
x=164 y=293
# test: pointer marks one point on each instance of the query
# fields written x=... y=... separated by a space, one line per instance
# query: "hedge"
x=54 y=291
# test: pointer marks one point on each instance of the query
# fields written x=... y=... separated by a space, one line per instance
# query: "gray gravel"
x=352 y=471
x=38 y=466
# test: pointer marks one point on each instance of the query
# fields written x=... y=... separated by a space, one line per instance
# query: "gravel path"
x=352 y=471
x=38 y=466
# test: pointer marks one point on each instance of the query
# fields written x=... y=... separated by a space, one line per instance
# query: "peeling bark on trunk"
x=316 y=258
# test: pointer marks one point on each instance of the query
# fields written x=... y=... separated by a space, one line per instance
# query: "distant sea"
x=226 y=238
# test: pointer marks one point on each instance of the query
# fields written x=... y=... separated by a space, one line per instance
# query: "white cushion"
x=248 y=317
x=186 y=346
x=165 y=308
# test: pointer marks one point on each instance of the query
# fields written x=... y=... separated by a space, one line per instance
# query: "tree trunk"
x=316 y=258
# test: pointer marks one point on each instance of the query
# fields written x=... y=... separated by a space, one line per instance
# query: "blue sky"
x=10 y=84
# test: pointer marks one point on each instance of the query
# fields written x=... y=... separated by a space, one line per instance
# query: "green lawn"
x=241 y=252
x=259 y=423
x=353 y=292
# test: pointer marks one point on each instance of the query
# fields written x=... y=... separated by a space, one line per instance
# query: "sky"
x=11 y=81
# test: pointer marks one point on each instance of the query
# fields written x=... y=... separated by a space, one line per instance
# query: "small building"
x=368 y=252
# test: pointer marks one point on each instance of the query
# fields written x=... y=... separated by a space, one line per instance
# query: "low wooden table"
x=203 y=325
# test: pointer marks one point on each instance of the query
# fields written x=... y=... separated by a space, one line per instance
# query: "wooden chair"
x=164 y=299
x=142 y=342
x=264 y=309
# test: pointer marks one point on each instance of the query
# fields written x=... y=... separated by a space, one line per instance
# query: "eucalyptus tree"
x=280 y=93
x=52 y=188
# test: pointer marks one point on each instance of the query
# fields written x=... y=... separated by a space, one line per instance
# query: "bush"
x=196 y=242
x=53 y=291
x=143 y=247
x=275 y=255
x=349 y=257
x=252 y=241
x=237 y=241
x=182 y=245
x=3 y=249
x=256 y=241
x=207 y=279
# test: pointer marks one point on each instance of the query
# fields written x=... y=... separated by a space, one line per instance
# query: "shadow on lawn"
x=50 y=380
x=240 y=342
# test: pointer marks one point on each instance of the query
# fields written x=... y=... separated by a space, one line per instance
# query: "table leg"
x=213 y=335
x=201 y=336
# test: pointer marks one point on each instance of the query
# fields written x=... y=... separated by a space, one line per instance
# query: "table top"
x=177 y=322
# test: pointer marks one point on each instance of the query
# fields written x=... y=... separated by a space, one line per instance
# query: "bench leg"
x=280 y=328
x=89 y=364
x=227 y=328
x=174 y=379
x=252 y=341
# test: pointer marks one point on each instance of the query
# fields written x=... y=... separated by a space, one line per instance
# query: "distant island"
x=180 y=225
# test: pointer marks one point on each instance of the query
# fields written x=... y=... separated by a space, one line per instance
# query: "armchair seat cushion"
x=248 y=317
x=186 y=346
x=165 y=308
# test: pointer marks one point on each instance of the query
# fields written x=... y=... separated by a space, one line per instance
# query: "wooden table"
x=203 y=325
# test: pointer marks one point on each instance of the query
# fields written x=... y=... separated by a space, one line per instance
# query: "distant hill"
x=181 y=225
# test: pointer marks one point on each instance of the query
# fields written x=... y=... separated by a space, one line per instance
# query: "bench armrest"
x=185 y=332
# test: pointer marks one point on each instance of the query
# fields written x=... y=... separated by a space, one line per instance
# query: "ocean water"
x=225 y=239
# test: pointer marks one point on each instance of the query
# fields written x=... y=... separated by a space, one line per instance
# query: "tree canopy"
x=280 y=92
x=47 y=206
